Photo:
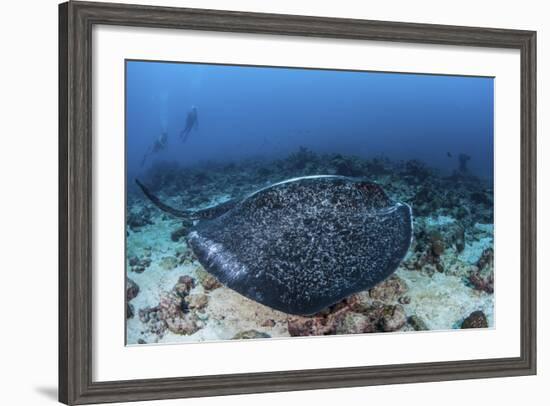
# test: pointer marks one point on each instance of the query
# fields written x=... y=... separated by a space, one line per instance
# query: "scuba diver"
x=158 y=145
x=191 y=122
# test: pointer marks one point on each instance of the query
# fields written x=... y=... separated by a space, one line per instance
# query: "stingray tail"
x=162 y=206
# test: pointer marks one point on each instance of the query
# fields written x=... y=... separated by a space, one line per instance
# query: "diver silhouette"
x=157 y=146
x=191 y=122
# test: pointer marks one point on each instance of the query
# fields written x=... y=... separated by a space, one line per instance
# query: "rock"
x=481 y=197
x=482 y=282
x=168 y=263
x=184 y=285
x=355 y=323
x=132 y=289
x=358 y=313
x=299 y=160
x=179 y=233
x=389 y=290
x=459 y=239
x=309 y=326
x=404 y=300
x=438 y=245
x=141 y=341
x=476 y=319
x=268 y=323
x=359 y=302
x=416 y=169
x=172 y=313
x=486 y=259
x=207 y=281
x=152 y=317
x=170 y=305
x=138 y=265
x=184 y=255
x=326 y=321
x=393 y=318
x=137 y=220
x=129 y=310
x=346 y=166
x=184 y=325
x=483 y=278
x=429 y=269
x=211 y=283
x=417 y=323
x=197 y=301
x=249 y=334
x=441 y=233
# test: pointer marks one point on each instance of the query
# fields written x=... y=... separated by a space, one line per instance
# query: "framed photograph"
x=260 y=202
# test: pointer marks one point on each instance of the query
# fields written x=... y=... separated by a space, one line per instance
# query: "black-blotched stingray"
x=303 y=244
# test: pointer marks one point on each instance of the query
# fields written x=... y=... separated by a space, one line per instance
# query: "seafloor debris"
x=483 y=277
x=168 y=263
x=365 y=312
x=173 y=312
x=209 y=282
x=138 y=219
x=246 y=335
x=417 y=323
x=132 y=290
x=138 y=265
x=476 y=319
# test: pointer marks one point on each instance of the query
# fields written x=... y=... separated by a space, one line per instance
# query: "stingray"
x=303 y=244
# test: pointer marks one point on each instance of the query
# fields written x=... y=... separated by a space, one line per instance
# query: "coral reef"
x=445 y=282
x=174 y=311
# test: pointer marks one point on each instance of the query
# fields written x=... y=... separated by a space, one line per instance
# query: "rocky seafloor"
x=446 y=281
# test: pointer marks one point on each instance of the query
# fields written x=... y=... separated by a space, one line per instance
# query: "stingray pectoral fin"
x=162 y=206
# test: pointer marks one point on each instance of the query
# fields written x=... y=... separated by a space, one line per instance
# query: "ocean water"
x=269 y=112
x=199 y=135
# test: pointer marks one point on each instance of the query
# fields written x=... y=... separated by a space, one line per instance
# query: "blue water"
x=250 y=112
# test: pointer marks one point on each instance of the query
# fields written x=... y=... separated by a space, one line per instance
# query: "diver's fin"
x=185 y=135
x=143 y=160
x=164 y=207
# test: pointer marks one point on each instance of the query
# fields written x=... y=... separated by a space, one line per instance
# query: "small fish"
x=449 y=155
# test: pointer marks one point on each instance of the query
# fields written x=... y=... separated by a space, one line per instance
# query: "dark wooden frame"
x=76 y=20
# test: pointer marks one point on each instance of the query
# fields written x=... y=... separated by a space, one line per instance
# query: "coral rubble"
x=445 y=282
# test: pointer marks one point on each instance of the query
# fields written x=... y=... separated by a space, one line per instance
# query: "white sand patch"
x=439 y=221
x=155 y=280
x=481 y=239
x=443 y=301
x=229 y=313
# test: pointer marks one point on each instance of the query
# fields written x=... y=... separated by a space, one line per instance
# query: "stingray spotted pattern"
x=303 y=244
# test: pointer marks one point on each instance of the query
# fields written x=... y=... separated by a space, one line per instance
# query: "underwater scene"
x=271 y=202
